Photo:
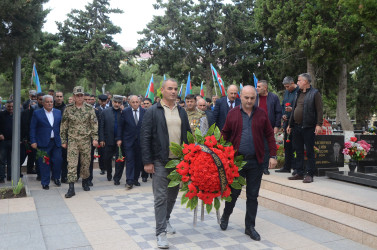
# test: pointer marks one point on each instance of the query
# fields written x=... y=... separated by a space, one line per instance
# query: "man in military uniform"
x=79 y=126
x=197 y=118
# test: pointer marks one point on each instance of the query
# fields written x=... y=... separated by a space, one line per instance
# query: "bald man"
x=224 y=105
x=246 y=127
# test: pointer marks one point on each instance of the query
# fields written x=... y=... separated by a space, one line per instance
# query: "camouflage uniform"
x=196 y=120
x=79 y=127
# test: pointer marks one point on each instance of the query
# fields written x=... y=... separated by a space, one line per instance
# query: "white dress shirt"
x=50 y=118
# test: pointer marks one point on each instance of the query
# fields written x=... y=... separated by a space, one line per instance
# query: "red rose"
x=353 y=139
x=287 y=104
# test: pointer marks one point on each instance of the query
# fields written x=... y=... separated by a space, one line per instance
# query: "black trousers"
x=288 y=152
x=253 y=172
x=134 y=163
x=303 y=139
x=110 y=151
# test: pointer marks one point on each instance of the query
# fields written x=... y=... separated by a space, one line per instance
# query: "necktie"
x=231 y=104
x=135 y=116
x=115 y=123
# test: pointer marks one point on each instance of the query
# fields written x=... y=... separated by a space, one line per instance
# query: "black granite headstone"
x=330 y=151
x=371 y=158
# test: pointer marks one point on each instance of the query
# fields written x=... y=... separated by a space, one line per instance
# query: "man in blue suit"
x=224 y=104
x=45 y=135
x=131 y=121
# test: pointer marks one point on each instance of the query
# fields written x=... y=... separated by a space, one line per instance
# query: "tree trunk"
x=209 y=83
x=311 y=70
x=342 y=98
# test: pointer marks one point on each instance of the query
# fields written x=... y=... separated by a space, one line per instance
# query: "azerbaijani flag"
x=238 y=93
x=150 y=90
x=188 y=86
x=201 y=90
x=164 y=77
x=219 y=80
x=255 y=81
x=36 y=79
x=180 y=91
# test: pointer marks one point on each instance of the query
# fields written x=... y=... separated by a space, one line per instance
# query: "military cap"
x=32 y=92
x=102 y=97
x=78 y=90
x=118 y=98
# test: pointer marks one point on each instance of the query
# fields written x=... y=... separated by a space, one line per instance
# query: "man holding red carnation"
x=163 y=123
x=246 y=127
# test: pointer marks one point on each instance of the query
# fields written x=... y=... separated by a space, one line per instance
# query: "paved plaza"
x=110 y=217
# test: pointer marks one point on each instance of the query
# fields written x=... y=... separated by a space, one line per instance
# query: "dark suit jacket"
x=106 y=126
x=129 y=131
x=221 y=111
x=40 y=128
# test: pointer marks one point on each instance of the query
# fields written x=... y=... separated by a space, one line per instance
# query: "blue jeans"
x=253 y=172
x=303 y=139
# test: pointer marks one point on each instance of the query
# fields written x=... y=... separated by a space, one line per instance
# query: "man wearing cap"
x=108 y=132
x=101 y=106
x=79 y=126
x=32 y=96
x=290 y=93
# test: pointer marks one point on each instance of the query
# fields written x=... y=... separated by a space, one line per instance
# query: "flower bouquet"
x=356 y=150
x=120 y=156
x=42 y=154
x=206 y=169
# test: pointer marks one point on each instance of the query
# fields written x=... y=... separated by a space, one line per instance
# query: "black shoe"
x=224 y=222
x=145 y=179
x=90 y=183
x=137 y=183
x=31 y=172
x=294 y=172
x=45 y=187
x=116 y=183
x=102 y=172
x=64 y=180
x=266 y=172
x=2 y=181
x=129 y=186
x=252 y=233
x=57 y=182
x=282 y=170
x=71 y=190
x=85 y=185
x=109 y=177
x=38 y=177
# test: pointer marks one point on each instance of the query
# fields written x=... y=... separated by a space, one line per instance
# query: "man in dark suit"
x=108 y=129
x=132 y=118
x=225 y=104
x=45 y=135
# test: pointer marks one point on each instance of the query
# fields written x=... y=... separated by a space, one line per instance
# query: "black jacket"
x=154 y=138
x=309 y=119
x=106 y=126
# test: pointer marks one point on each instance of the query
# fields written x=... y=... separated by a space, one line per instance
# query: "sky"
x=137 y=14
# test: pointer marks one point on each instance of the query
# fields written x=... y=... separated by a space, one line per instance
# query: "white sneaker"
x=169 y=228
x=162 y=241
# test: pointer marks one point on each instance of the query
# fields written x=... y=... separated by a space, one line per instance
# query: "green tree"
x=88 y=47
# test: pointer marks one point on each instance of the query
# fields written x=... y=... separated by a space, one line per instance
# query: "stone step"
x=347 y=198
x=360 y=230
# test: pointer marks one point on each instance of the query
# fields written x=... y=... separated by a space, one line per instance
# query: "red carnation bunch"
x=120 y=156
x=287 y=104
x=198 y=172
x=43 y=154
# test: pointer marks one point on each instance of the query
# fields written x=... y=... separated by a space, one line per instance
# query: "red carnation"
x=206 y=197
x=210 y=141
x=288 y=141
x=277 y=146
x=46 y=160
x=28 y=151
x=226 y=192
x=354 y=139
x=287 y=104
x=185 y=178
x=192 y=191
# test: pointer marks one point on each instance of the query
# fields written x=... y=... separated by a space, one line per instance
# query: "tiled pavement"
x=109 y=217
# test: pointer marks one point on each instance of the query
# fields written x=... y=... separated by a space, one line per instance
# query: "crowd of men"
x=137 y=135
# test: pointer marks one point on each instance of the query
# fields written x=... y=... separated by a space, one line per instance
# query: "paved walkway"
x=109 y=217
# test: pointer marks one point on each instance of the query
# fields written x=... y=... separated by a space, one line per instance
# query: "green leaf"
x=172 y=163
x=184 y=199
x=222 y=141
x=236 y=185
x=210 y=130
x=188 y=205
x=199 y=137
x=190 y=138
x=217 y=133
x=228 y=144
x=238 y=158
x=227 y=199
x=177 y=150
x=208 y=208
x=185 y=186
x=217 y=203
x=174 y=176
x=174 y=183
x=194 y=202
x=241 y=181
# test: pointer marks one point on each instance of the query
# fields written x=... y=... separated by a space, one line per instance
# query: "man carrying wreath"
x=246 y=127
x=163 y=123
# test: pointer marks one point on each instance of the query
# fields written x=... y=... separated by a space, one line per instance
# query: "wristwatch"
x=274 y=157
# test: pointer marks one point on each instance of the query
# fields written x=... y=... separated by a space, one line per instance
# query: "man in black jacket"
x=306 y=121
x=163 y=123
x=109 y=123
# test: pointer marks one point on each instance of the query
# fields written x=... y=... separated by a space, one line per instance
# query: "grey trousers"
x=164 y=197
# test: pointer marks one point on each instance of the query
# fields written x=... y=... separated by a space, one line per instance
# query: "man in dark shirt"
x=246 y=127
x=305 y=123
x=289 y=96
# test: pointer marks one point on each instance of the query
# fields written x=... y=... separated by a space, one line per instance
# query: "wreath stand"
x=202 y=214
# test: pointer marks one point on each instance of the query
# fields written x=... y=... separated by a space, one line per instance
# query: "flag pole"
x=213 y=79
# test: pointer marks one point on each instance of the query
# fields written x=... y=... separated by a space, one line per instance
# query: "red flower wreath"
x=198 y=172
